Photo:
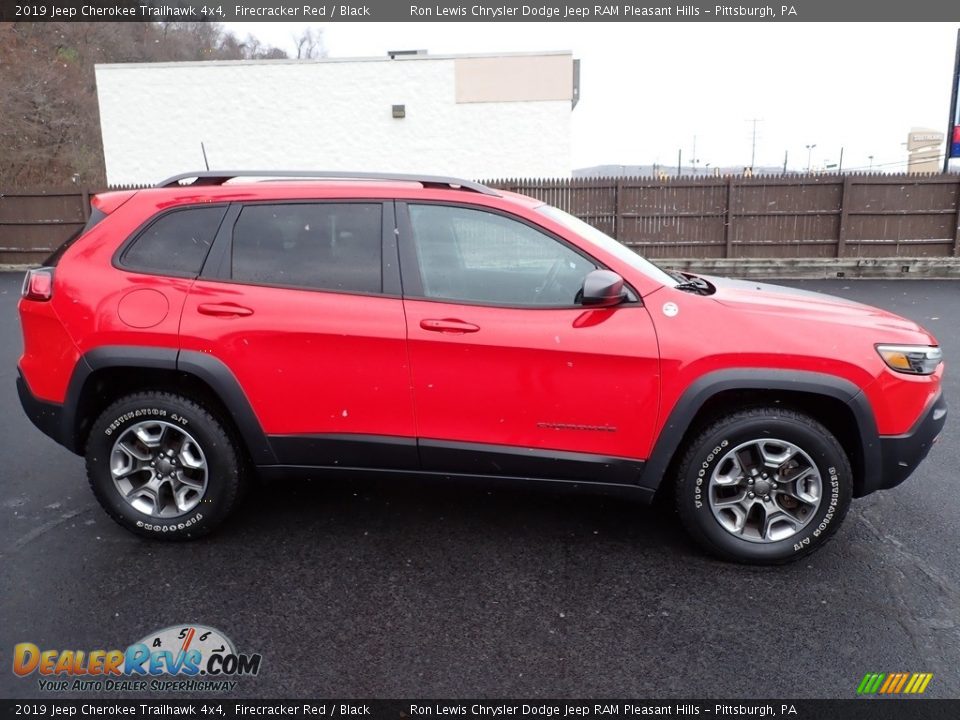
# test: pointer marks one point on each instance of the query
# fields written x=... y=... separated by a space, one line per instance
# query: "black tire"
x=702 y=455
x=223 y=457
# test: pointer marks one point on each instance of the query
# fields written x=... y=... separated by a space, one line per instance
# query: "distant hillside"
x=668 y=170
x=49 y=119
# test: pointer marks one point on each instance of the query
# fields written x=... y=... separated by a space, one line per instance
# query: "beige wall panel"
x=514 y=79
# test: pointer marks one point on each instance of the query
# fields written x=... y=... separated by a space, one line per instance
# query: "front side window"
x=175 y=243
x=477 y=256
x=321 y=246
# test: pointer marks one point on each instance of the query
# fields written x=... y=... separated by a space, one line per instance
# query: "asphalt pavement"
x=408 y=588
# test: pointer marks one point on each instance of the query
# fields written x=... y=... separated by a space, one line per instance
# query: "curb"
x=894 y=268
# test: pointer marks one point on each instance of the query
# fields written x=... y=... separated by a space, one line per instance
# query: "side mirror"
x=602 y=288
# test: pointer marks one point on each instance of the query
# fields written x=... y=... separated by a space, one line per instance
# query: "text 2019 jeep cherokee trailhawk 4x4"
x=203 y=330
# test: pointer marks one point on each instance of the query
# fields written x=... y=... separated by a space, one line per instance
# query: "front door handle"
x=448 y=325
x=226 y=309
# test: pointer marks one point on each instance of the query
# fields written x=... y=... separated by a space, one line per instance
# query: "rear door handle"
x=226 y=309
x=448 y=325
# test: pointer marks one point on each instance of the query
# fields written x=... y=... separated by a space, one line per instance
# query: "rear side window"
x=321 y=246
x=175 y=243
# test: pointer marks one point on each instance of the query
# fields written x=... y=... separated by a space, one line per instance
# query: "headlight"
x=913 y=359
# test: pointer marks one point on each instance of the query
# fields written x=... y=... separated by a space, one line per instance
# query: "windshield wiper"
x=692 y=284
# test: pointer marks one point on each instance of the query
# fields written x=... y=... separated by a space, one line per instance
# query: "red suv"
x=223 y=325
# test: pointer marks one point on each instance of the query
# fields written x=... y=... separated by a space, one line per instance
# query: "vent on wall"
x=394 y=54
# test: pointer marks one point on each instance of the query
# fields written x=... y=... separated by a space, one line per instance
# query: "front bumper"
x=901 y=454
x=47 y=416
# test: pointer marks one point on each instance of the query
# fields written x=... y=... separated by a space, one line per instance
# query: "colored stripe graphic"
x=920 y=684
x=870 y=683
x=894 y=683
x=903 y=680
x=891 y=680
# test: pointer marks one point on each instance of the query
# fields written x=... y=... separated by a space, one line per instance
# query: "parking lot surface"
x=408 y=588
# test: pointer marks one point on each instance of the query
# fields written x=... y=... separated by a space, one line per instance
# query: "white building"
x=473 y=116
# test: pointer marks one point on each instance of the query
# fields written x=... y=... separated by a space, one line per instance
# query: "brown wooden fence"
x=827 y=216
x=33 y=224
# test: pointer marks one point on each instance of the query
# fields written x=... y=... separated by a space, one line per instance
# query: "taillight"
x=38 y=284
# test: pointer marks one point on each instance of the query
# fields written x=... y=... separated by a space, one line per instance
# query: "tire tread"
x=690 y=451
x=236 y=490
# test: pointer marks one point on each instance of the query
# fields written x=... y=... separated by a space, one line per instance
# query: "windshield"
x=605 y=242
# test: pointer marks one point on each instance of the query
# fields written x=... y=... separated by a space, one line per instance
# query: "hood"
x=789 y=302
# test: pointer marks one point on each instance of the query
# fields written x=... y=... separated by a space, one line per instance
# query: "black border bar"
x=872 y=708
x=478 y=11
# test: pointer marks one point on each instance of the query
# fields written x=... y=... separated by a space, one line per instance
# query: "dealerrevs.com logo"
x=179 y=658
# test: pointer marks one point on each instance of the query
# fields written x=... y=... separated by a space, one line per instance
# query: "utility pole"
x=785 y=154
x=679 y=161
x=840 y=167
x=810 y=154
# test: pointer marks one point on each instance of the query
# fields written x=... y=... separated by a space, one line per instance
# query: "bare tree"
x=310 y=44
x=253 y=49
x=49 y=116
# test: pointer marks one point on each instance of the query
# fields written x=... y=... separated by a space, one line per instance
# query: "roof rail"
x=219 y=177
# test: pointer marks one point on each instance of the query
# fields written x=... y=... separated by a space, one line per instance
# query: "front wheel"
x=763 y=486
x=163 y=466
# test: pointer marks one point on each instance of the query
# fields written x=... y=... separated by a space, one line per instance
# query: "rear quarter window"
x=176 y=243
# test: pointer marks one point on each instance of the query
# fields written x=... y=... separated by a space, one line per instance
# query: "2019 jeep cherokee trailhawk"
x=223 y=324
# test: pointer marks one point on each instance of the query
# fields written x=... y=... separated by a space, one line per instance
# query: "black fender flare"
x=799 y=381
x=203 y=366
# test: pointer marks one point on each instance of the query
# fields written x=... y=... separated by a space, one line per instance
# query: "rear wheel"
x=764 y=486
x=163 y=466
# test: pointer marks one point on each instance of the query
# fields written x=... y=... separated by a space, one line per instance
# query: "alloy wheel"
x=765 y=490
x=159 y=469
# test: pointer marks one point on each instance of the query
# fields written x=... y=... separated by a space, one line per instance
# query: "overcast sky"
x=648 y=88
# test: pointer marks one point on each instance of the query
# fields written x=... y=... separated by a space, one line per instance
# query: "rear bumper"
x=47 y=416
x=901 y=454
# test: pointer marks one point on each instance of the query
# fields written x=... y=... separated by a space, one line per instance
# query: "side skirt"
x=310 y=454
x=279 y=473
x=534 y=463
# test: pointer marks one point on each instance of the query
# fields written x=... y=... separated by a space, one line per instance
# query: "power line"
x=899 y=163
